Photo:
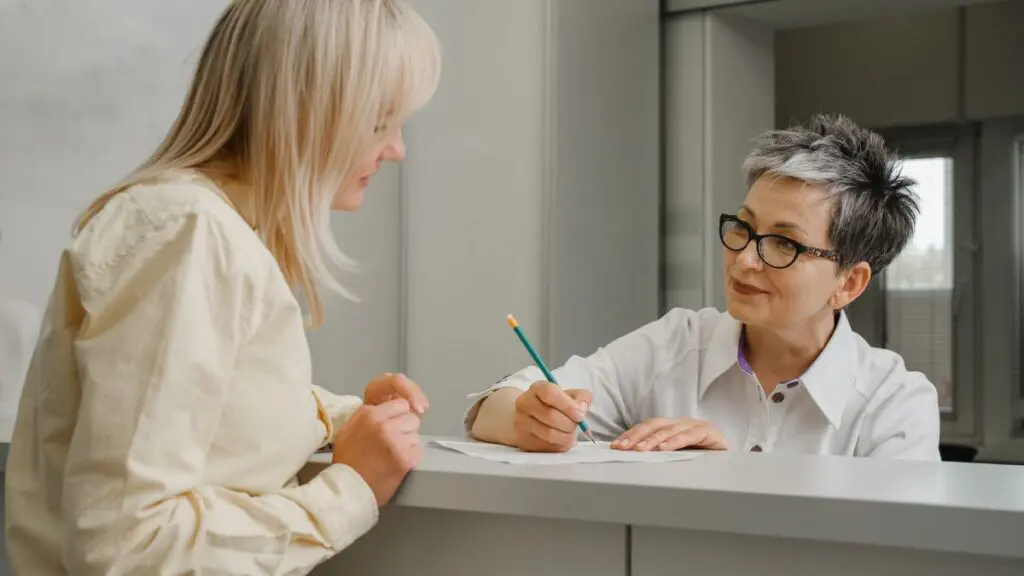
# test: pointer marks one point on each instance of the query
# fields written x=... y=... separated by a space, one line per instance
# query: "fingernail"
x=623 y=442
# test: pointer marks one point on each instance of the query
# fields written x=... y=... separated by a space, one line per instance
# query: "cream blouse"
x=169 y=406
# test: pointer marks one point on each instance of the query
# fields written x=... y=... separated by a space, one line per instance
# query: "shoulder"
x=694 y=327
x=681 y=330
x=165 y=223
x=885 y=382
x=901 y=409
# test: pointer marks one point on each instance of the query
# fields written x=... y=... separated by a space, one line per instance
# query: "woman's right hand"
x=546 y=417
x=382 y=444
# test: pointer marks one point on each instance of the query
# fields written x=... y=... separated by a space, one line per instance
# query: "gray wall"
x=474 y=186
x=531 y=188
x=909 y=69
x=360 y=340
x=84 y=97
x=720 y=91
x=604 y=196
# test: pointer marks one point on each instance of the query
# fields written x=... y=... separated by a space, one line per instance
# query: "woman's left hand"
x=665 y=434
x=393 y=386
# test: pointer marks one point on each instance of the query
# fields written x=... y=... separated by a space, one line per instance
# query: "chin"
x=745 y=312
x=349 y=202
x=736 y=311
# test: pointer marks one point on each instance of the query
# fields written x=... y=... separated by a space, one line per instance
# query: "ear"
x=853 y=282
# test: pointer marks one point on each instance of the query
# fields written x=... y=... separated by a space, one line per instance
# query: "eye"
x=736 y=230
x=781 y=245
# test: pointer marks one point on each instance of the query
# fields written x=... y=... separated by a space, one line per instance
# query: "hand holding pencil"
x=547 y=416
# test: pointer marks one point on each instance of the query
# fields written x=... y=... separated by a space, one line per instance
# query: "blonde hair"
x=289 y=94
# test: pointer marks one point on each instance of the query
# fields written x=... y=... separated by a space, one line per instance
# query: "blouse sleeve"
x=906 y=424
x=338 y=408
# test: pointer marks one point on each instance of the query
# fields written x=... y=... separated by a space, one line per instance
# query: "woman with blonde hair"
x=169 y=404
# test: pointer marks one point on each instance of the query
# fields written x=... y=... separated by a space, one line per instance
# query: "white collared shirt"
x=854 y=400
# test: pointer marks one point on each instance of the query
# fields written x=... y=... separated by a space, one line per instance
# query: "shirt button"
x=778 y=397
x=756 y=448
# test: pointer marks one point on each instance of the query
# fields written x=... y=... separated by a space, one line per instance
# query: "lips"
x=366 y=179
x=746 y=289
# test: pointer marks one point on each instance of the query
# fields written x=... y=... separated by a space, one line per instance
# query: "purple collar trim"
x=741 y=357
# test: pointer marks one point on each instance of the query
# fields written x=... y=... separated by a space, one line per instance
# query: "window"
x=919 y=285
x=947 y=303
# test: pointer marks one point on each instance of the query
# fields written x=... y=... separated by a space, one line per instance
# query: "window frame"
x=1017 y=368
x=962 y=424
x=999 y=206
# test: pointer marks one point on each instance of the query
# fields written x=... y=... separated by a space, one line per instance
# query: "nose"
x=748 y=258
x=394 y=151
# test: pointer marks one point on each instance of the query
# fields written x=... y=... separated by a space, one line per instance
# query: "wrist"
x=495 y=418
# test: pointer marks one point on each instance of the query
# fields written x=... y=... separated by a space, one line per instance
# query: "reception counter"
x=722 y=514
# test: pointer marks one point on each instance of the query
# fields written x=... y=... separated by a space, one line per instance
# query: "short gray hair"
x=874 y=206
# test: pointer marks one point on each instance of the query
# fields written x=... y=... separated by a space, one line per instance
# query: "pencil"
x=543 y=368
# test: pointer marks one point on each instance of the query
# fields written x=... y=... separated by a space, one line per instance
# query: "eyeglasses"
x=774 y=250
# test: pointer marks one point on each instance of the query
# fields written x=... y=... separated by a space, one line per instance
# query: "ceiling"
x=781 y=14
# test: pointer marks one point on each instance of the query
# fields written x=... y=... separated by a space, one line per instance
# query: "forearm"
x=219 y=530
x=493 y=421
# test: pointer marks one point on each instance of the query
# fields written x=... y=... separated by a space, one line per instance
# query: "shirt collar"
x=722 y=352
x=829 y=380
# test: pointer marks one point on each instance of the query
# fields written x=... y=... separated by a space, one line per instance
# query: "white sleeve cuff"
x=521 y=380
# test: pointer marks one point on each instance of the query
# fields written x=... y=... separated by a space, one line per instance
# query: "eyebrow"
x=778 y=225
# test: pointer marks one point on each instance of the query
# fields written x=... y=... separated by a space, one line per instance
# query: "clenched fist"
x=393 y=386
x=382 y=444
x=546 y=417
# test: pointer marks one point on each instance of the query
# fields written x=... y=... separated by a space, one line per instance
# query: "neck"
x=226 y=176
x=787 y=353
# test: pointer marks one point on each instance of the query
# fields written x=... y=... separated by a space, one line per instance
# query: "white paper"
x=582 y=453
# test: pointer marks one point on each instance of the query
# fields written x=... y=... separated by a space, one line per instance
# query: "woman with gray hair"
x=781 y=371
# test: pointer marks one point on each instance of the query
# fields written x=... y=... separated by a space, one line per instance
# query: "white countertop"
x=941 y=506
x=955 y=507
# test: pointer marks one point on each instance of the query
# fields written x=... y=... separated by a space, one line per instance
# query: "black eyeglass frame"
x=758 y=239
